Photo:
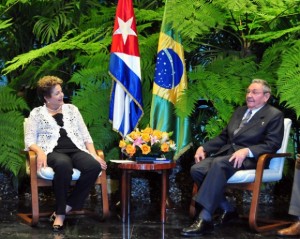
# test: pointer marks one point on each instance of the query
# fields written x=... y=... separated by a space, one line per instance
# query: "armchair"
x=253 y=179
x=44 y=177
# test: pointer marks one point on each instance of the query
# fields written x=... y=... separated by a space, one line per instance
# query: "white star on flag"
x=125 y=29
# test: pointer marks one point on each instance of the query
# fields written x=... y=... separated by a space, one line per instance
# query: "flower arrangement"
x=147 y=142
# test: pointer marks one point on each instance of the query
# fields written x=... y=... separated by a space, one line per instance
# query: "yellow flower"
x=148 y=140
x=164 y=147
x=165 y=137
x=148 y=130
x=157 y=134
x=145 y=137
x=145 y=149
x=172 y=145
x=122 y=143
x=130 y=150
x=134 y=135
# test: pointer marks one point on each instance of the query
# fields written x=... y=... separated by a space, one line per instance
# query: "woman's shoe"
x=52 y=217
x=57 y=228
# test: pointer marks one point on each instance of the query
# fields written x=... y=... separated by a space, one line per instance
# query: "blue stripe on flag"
x=126 y=77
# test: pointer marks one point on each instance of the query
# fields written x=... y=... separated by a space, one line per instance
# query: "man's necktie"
x=244 y=121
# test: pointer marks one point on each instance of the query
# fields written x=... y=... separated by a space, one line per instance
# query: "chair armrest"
x=263 y=158
x=100 y=153
x=262 y=162
x=31 y=164
x=31 y=156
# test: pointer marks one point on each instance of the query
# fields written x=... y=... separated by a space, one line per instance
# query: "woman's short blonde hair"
x=46 y=84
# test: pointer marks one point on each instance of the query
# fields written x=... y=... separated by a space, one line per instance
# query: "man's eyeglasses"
x=254 y=92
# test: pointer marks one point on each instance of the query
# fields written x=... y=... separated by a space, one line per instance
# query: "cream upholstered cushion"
x=48 y=173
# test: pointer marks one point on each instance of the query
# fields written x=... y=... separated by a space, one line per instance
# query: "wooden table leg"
x=124 y=196
x=163 y=195
x=128 y=183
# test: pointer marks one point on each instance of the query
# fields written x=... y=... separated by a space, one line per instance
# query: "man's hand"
x=199 y=155
x=239 y=157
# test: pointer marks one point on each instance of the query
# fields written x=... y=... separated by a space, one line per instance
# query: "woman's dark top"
x=64 y=143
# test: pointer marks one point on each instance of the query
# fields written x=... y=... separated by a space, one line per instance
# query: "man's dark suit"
x=262 y=134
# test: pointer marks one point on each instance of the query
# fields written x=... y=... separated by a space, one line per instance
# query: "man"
x=253 y=130
x=294 y=209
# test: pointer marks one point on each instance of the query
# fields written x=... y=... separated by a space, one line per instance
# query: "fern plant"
x=227 y=44
x=289 y=77
x=92 y=98
x=11 y=130
x=237 y=41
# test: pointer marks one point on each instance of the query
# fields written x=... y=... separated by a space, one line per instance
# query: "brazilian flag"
x=170 y=81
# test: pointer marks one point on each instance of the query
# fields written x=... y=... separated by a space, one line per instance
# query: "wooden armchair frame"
x=255 y=187
x=36 y=182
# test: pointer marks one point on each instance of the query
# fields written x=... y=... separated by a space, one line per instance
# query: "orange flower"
x=164 y=147
x=145 y=137
x=157 y=134
x=145 y=149
x=130 y=150
x=122 y=143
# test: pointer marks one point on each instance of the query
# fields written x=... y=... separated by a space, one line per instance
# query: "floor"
x=143 y=223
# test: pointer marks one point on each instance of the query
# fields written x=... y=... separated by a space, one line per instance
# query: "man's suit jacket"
x=262 y=134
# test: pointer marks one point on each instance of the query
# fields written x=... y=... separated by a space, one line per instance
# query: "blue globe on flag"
x=169 y=69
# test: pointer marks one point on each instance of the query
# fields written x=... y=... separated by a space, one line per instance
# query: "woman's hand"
x=90 y=147
x=41 y=159
x=101 y=161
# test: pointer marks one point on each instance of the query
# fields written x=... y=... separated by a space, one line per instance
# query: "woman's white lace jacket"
x=42 y=129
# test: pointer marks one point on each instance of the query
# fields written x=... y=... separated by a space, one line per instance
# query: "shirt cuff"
x=250 y=154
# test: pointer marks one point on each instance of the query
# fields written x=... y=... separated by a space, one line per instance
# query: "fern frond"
x=103 y=136
x=5 y=24
x=66 y=43
x=214 y=126
x=11 y=141
x=225 y=79
x=10 y=102
x=56 y=18
x=273 y=35
x=194 y=18
x=289 y=77
x=90 y=100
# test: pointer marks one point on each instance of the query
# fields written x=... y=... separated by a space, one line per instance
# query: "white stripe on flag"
x=127 y=115
x=133 y=62
x=118 y=106
x=121 y=109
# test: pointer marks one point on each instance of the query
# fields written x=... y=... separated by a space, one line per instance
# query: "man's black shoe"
x=198 y=228
x=226 y=217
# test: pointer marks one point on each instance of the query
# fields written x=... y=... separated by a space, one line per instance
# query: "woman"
x=58 y=135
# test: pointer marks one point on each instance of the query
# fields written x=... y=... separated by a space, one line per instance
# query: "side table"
x=127 y=168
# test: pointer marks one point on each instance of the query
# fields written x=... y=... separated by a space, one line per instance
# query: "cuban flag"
x=126 y=107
